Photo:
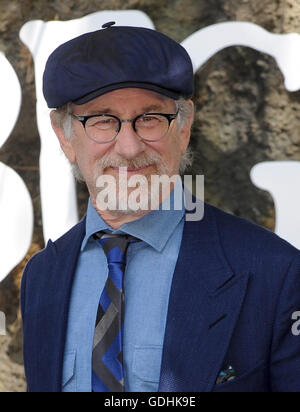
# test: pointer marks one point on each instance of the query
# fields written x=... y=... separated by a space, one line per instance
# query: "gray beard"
x=186 y=162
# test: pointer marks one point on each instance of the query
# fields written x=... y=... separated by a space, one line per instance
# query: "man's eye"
x=105 y=121
x=148 y=121
x=150 y=118
x=102 y=122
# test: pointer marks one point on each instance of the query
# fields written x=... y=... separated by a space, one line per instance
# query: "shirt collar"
x=155 y=228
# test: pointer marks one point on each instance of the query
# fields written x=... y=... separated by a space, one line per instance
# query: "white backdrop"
x=16 y=217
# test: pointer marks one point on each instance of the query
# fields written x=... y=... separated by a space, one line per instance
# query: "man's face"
x=128 y=150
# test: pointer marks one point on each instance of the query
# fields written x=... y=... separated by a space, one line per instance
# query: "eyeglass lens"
x=105 y=128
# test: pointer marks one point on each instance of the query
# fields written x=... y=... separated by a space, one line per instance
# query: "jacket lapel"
x=54 y=306
x=205 y=302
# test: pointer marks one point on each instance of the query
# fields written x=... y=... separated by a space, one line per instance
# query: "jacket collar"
x=54 y=299
x=205 y=301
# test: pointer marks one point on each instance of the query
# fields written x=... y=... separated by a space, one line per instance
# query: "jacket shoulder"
x=53 y=247
x=44 y=261
x=245 y=241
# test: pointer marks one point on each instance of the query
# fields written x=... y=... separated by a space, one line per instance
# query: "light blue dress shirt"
x=148 y=277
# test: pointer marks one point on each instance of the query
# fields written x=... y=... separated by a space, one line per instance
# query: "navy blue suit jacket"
x=234 y=291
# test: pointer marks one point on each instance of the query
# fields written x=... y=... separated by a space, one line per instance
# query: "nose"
x=128 y=144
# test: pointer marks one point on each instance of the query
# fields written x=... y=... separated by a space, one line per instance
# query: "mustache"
x=143 y=160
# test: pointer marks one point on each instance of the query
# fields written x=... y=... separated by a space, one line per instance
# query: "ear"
x=65 y=143
x=185 y=132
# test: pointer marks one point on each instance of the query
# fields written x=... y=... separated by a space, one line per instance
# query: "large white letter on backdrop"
x=57 y=185
x=16 y=211
x=282 y=179
x=284 y=48
x=58 y=191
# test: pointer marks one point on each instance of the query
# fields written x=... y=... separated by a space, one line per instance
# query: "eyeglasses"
x=104 y=128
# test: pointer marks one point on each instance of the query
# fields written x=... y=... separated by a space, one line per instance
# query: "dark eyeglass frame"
x=83 y=120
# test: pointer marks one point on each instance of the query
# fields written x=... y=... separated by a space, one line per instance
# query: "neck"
x=117 y=219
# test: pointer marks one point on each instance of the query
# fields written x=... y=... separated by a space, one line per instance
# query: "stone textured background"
x=244 y=116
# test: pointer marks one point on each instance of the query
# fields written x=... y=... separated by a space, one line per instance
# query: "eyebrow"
x=107 y=110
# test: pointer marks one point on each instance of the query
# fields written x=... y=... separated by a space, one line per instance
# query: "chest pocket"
x=147 y=363
x=253 y=381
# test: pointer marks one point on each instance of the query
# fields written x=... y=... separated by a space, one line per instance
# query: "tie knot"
x=115 y=246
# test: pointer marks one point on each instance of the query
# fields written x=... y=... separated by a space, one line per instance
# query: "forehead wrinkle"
x=107 y=110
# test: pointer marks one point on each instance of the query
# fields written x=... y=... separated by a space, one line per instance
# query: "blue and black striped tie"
x=107 y=360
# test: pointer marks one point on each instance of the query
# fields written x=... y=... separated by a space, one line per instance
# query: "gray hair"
x=185 y=112
x=63 y=120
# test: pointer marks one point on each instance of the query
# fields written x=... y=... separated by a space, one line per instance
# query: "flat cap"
x=113 y=58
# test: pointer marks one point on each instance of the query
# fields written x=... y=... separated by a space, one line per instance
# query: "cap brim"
x=99 y=92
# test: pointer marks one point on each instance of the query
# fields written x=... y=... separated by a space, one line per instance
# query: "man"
x=209 y=305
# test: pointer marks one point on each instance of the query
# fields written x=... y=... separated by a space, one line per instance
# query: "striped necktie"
x=107 y=359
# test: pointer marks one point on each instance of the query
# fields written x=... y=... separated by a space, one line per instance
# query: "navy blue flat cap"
x=114 y=58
